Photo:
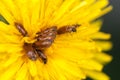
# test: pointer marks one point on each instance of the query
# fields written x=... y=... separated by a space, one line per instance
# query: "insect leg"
x=42 y=56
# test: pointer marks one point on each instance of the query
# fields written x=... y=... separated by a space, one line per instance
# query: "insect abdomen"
x=45 y=38
x=30 y=51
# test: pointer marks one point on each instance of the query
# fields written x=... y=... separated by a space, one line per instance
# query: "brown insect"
x=44 y=40
x=67 y=29
x=31 y=52
x=21 y=29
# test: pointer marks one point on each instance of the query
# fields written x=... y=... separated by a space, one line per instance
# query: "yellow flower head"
x=53 y=40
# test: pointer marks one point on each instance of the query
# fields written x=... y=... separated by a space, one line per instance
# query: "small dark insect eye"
x=74 y=30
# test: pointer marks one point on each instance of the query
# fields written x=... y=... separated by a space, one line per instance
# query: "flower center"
x=44 y=39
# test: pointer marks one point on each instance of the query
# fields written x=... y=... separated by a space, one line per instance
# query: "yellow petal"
x=11 y=71
x=63 y=8
x=22 y=72
x=104 y=45
x=25 y=16
x=103 y=57
x=6 y=14
x=12 y=8
x=35 y=10
x=10 y=48
x=67 y=67
x=101 y=35
x=90 y=64
x=97 y=75
x=32 y=68
x=11 y=60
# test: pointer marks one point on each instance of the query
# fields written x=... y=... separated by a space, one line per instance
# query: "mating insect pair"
x=44 y=40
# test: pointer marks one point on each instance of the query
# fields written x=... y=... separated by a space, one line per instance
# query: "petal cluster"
x=72 y=56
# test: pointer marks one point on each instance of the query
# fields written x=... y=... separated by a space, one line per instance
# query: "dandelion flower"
x=73 y=55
